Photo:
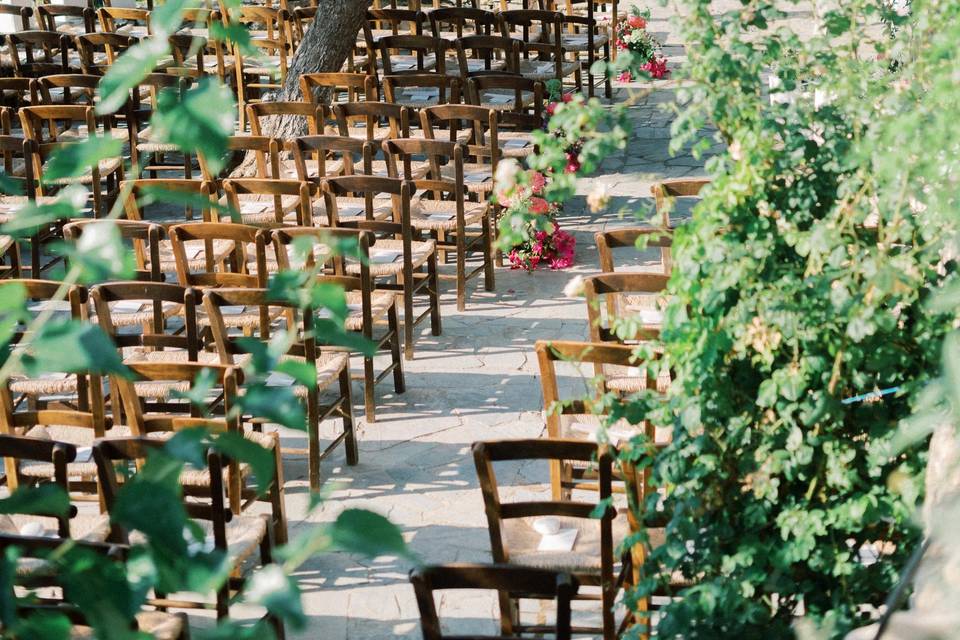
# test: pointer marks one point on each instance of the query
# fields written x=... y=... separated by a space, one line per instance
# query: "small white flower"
x=599 y=198
x=736 y=151
x=506 y=176
x=574 y=288
x=102 y=239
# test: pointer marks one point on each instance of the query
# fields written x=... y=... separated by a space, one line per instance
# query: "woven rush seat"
x=380 y=302
x=51 y=384
x=544 y=70
x=478 y=178
x=160 y=625
x=6 y=242
x=521 y=542
x=85 y=527
x=355 y=208
x=160 y=389
x=577 y=42
x=511 y=144
x=244 y=534
x=81 y=132
x=81 y=437
x=629 y=380
x=238 y=318
x=134 y=30
x=504 y=99
x=195 y=254
x=474 y=65
x=147 y=143
x=121 y=317
x=421 y=252
x=441 y=215
x=329 y=366
x=266 y=66
x=106 y=166
x=257 y=208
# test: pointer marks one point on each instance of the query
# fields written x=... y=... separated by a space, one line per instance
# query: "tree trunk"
x=325 y=47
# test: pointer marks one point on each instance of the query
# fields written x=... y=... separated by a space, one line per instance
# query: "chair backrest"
x=84 y=88
x=369 y=187
x=419 y=47
x=484 y=123
x=15 y=150
x=234 y=268
x=333 y=87
x=633 y=297
x=111 y=45
x=19 y=13
x=38 y=53
x=665 y=190
x=284 y=237
x=371 y=115
x=124 y=455
x=144 y=191
x=266 y=151
x=555 y=451
x=462 y=21
x=145 y=323
x=47 y=15
x=489 y=48
x=523 y=22
x=269 y=192
x=310 y=113
x=401 y=155
x=541 y=584
x=129 y=20
x=19 y=92
x=565 y=410
x=144 y=237
x=15 y=448
x=393 y=20
x=607 y=241
x=523 y=110
x=318 y=157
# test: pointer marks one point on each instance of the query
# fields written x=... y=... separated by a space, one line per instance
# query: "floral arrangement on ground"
x=630 y=34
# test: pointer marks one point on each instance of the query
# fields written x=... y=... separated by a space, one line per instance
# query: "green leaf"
x=236 y=33
x=200 y=123
x=44 y=499
x=199 y=391
x=128 y=71
x=304 y=373
x=366 y=533
x=330 y=332
x=166 y=18
x=273 y=589
x=276 y=404
x=75 y=159
x=43 y=626
x=70 y=346
x=152 y=194
x=33 y=216
x=260 y=459
x=9 y=186
x=100 y=254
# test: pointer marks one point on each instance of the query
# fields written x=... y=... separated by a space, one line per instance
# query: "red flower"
x=573 y=163
x=657 y=68
x=539 y=206
x=568 y=97
x=637 y=22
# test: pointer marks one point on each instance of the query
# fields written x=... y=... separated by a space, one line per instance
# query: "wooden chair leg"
x=394 y=326
x=353 y=453
x=607 y=80
x=461 y=273
x=278 y=508
x=407 y=323
x=591 y=80
x=369 y=383
x=266 y=557
x=433 y=287
x=313 y=437
x=489 y=277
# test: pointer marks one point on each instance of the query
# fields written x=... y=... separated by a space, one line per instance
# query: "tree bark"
x=325 y=47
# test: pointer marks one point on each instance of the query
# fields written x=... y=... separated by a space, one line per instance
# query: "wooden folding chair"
x=268 y=71
x=144 y=239
x=239 y=537
x=218 y=254
x=266 y=153
x=328 y=89
x=592 y=559
x=453 y=23
x=654 y=238
x=72 y=20
x=99 y=51
x=482 y=153
x=269 y=202
x=665 y=192
x=586 y=34
x=144 y=103
x=321 y=157
x=18 y=167
x=366 y=308
x=397 y=262
x=539 y=584
x=486 y=54
x=332 y=367
x=129 y=21
x=410 y=54
x=19 y=13
x=442 y=209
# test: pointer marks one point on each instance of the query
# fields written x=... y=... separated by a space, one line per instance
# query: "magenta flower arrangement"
x=630 y=34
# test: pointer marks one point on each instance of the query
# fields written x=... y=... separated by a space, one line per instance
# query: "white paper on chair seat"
x=649 y=316
x=440 y=216
x=49 y=305
x=402 y=65
x=615 y=435
x=515 y=144
x=499 y=99
x=127 y=306
x=422 y=95
x=327 y=314
x=53 y=376
x=253 y=207
x=36 y=530
x=84 y=454
x=277 y=379
x=563 y=540
x=545 y=66
x=351 y=211
x=385 y=256
x=476 y=178
x=232 y=309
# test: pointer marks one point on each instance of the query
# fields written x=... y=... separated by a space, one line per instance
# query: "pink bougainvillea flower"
x=657 y=68
x=537 y=182
x=625 y=77
x=539 y=206
x=637 y=22
x=551 y=108
x=573 y=163
x=568 y=97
